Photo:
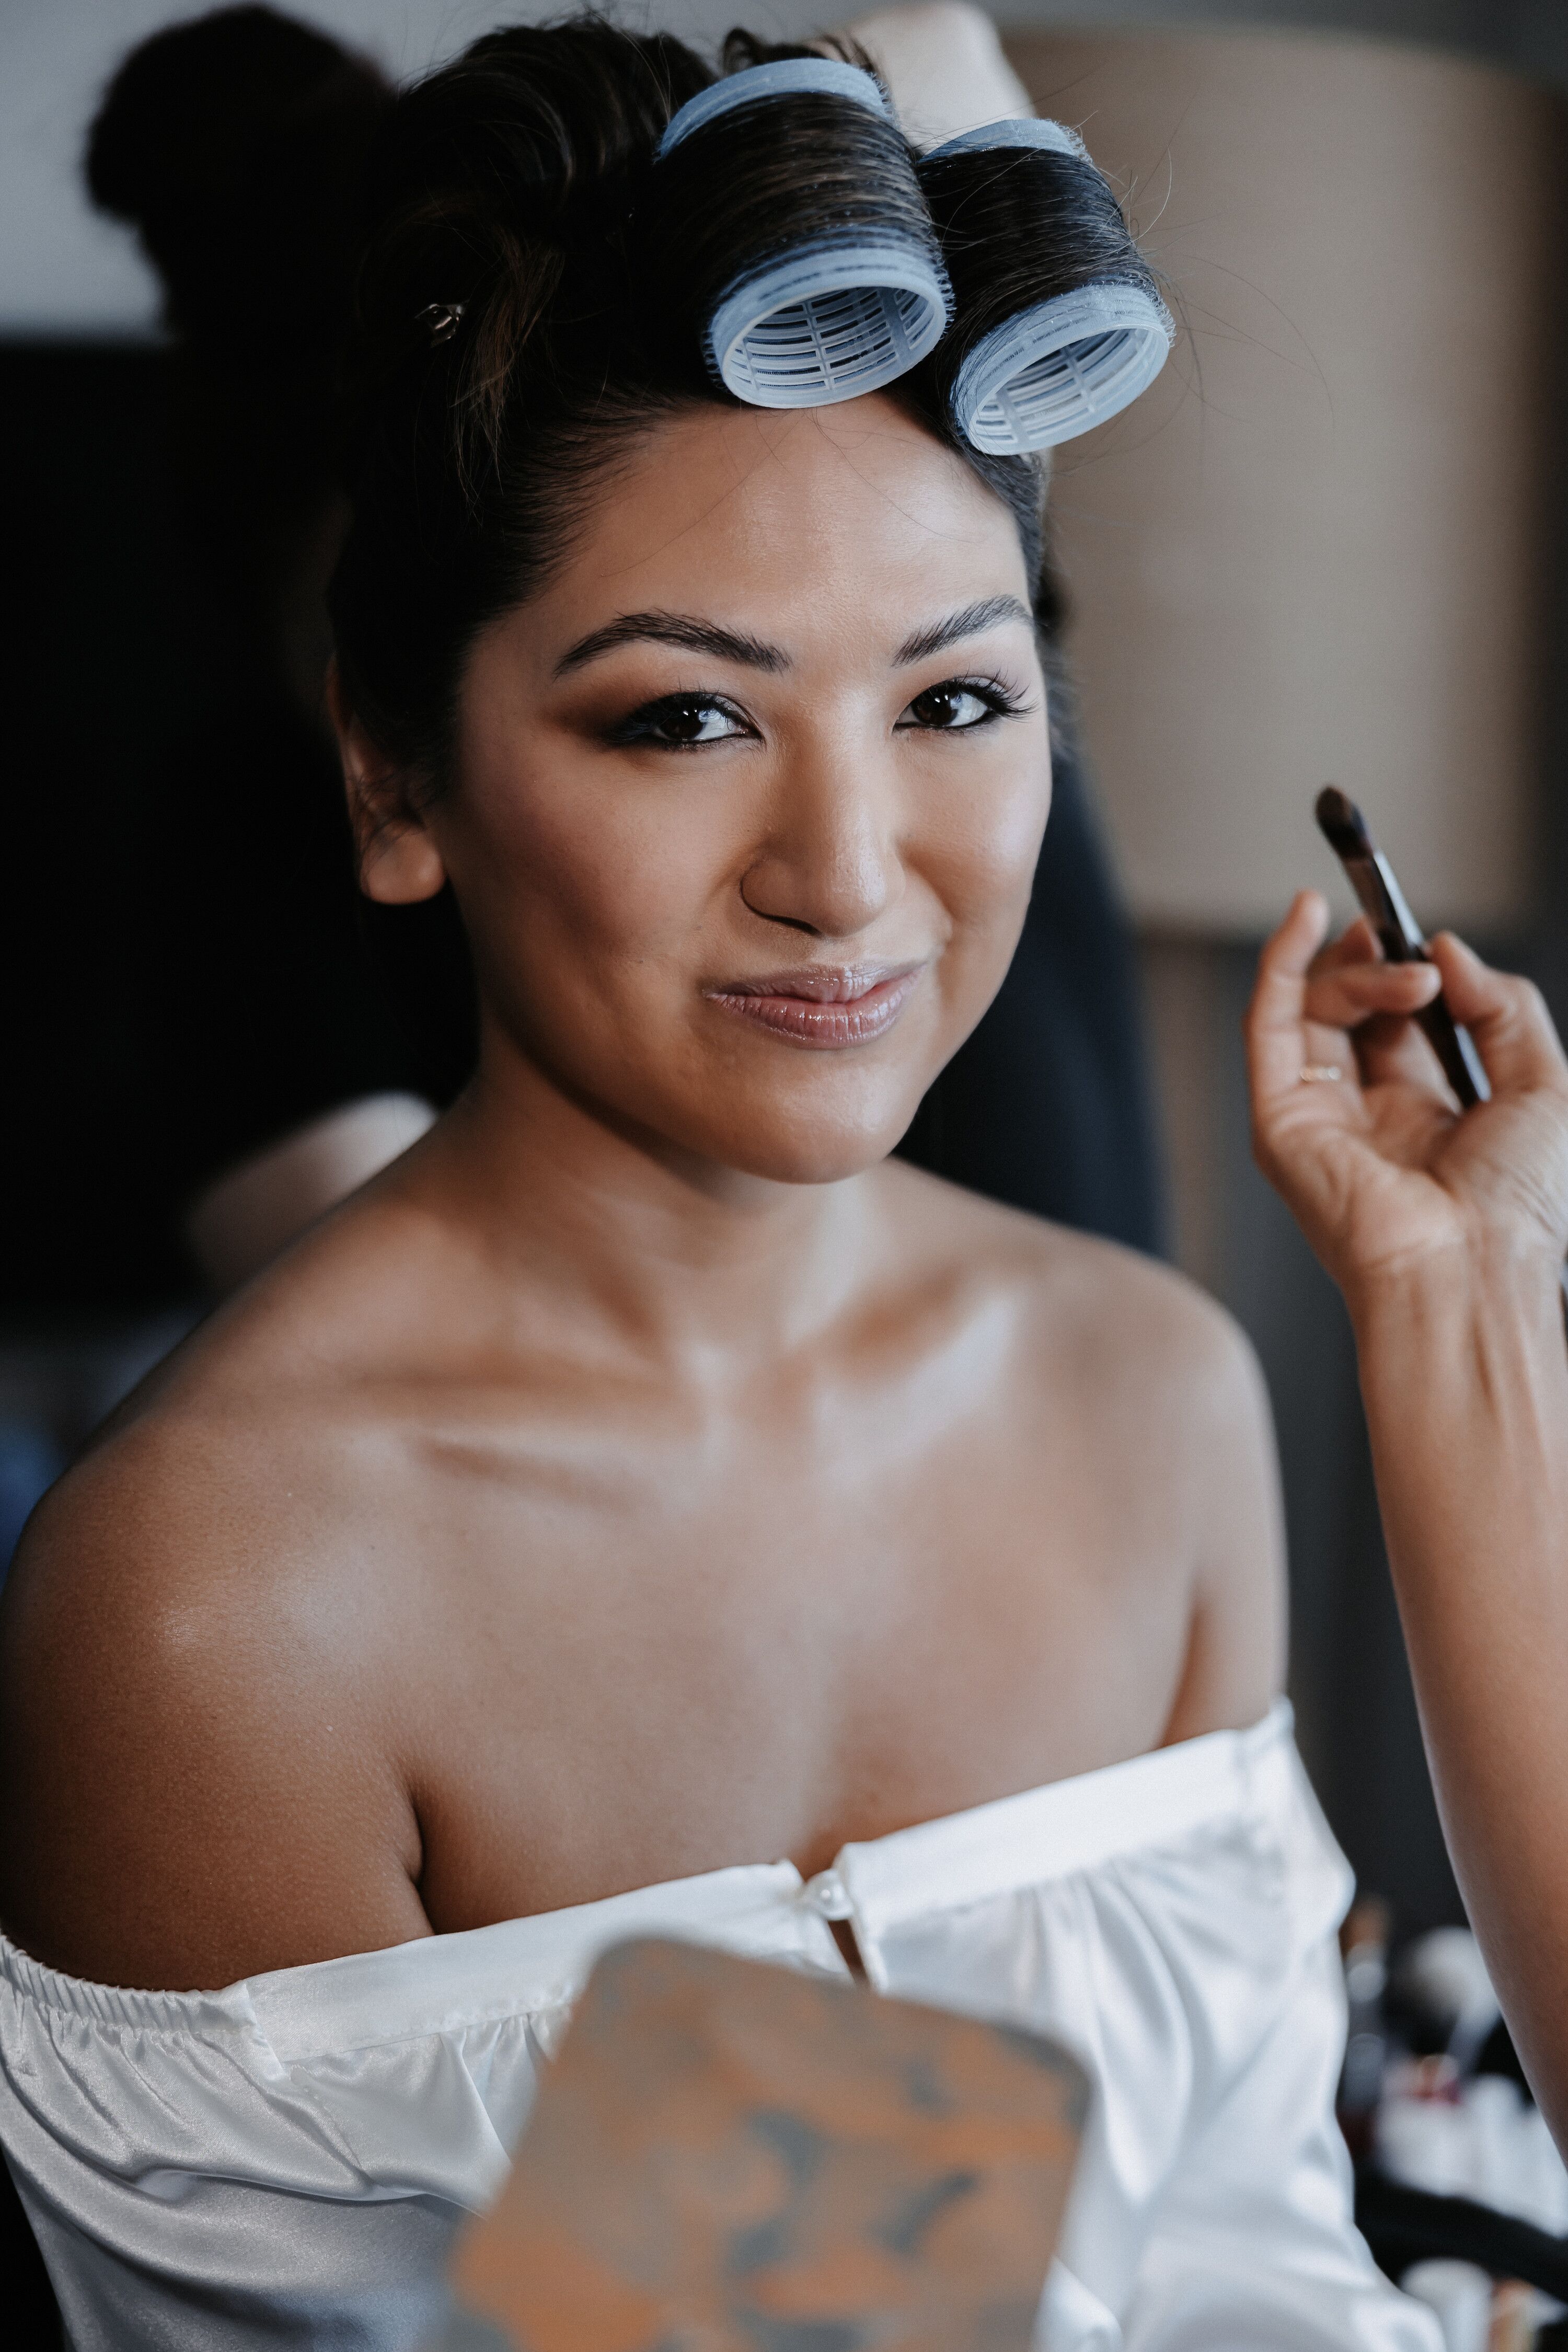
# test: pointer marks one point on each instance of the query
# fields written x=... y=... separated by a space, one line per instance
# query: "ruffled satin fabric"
x=284 y=2163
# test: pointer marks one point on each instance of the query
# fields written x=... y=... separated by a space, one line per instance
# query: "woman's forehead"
x=849 y=513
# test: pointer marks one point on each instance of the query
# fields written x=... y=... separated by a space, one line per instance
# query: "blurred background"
x=1328 y=546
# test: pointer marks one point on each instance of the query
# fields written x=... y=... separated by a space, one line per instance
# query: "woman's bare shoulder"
x=1170 y=1419
x=1134 y=1315
x=190 y=1675
x=255 y=1424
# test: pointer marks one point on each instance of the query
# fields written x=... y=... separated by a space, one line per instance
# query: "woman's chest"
x=634 y=1668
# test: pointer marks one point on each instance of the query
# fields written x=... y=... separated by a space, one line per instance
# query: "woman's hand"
x=1380 y=1168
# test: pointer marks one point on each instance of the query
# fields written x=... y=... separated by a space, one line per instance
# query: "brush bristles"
x=1343 y=823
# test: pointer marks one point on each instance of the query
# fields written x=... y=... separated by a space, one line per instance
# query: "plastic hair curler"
x=823 y=277
x=1024 y=375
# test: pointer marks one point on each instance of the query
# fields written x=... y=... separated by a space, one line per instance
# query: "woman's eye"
x=954 y=706
x=680 y=722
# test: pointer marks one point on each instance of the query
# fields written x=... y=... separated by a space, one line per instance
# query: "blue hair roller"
x=1059 y=367
x=840 y=314
x=1015 y=130
x=786 y=77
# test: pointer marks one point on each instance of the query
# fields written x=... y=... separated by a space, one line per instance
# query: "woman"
x=644 y=1478
x=232 y=144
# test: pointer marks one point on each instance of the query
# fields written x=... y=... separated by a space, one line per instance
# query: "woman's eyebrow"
x=672 y=629
x=939 y=635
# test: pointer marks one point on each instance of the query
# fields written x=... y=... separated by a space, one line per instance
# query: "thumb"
x=1506 y=1015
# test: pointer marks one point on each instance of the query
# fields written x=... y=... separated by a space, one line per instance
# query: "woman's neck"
x=670 y=1254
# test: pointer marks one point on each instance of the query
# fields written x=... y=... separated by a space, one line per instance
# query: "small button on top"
x=826 y=1894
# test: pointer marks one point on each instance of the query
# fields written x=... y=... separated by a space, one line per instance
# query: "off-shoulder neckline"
x=434 y=1982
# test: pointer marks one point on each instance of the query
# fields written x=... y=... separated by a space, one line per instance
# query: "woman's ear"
x=398 y=861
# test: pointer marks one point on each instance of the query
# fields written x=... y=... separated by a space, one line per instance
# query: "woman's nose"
x=829 y=863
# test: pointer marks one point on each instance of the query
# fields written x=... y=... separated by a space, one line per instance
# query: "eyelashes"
x=680 y=722
x=691 y=721
x=937 y=708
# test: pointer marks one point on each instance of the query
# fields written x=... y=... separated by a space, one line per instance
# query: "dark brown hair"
x=519 y=185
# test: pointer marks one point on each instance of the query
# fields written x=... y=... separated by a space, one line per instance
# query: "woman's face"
x=747 y=803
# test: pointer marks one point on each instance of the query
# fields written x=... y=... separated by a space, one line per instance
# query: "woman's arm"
x=1466 y=1385
x=1446 y=1234
x=945 y=65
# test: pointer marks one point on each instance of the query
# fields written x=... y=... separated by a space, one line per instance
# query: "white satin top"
x=284 y=2163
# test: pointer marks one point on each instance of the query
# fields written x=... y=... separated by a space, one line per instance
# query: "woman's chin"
x=813 y=1151
x=809 y=1125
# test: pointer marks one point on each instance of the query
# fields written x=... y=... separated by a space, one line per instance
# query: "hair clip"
x=439 y=320
x=841 y=312
x=1054 y=369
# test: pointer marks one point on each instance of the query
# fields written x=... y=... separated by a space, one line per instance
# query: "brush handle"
x=1400 y=936
x=1456 y=1049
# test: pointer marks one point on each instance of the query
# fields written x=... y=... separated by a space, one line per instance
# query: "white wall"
x=62 y=271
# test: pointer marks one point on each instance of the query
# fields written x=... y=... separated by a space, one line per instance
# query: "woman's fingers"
x=1312 y=1000
x=1374 y=1001
x=1383 y=1162
x=1397 y=1053
x=1507 y=1016
x=1345 y=995
x=1276 y=1022
x=1358 y=944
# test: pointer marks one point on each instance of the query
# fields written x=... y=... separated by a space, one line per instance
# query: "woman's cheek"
x=980 y=858
x=613 y=873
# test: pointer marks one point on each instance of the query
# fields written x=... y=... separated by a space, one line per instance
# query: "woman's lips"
x=842 y=1004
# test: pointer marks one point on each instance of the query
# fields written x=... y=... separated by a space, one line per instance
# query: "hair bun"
x=233 y=145
x=1059 y=323
x=821 y=278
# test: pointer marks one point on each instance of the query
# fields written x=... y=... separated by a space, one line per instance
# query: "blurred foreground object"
x=1318 y=544
x=1447 y=2121
x=254 y=1210
x=1444 y=1977
x=728 y=2153
x=1459 y=2190
x=1474 y=2314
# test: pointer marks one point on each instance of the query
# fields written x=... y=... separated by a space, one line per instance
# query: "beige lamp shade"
x=1314 y=551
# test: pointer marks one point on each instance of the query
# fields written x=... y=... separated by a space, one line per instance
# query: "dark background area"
x=182 y=933
x=115 y=651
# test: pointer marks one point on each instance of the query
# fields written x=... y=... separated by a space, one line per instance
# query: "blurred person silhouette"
x=283 y=1076
x=302 y=1036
